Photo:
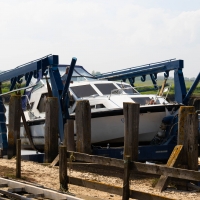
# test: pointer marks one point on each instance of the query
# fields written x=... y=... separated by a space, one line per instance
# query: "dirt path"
x=49 y=177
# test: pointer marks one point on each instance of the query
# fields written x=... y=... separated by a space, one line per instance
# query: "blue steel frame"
x=152 y=69
x=35 y=69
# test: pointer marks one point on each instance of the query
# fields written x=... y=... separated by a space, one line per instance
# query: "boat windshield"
x=79 y=73
x=127 y=89
x=83 y=91
x=105 y=88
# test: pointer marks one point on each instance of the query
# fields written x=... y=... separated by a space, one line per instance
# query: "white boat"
x=106 y=100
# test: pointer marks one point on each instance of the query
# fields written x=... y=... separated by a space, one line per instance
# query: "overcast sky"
x=104 y=35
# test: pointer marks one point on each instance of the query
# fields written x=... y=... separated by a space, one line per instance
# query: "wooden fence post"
x=185 y=154
x=131 y=129
x=14 y=124
x=83 y=126
x=51 y=129
x=69 y=135
x=18 y=159
x=63 y=168
x=191 y=141
x=126 y=187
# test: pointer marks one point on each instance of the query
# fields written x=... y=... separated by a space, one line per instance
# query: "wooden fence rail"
x=114 y=189
x=138 y=167
x=187 y=128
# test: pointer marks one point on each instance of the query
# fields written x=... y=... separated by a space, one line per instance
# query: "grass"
x=147 y=87
x=142 y=87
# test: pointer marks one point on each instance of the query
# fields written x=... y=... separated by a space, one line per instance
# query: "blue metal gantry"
x=152 y=69
x=37 y=69
x=49 y=64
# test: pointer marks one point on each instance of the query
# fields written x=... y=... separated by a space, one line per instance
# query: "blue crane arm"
x=191 y=90
x=152 y=69
x=143 y=70
x=29 y=68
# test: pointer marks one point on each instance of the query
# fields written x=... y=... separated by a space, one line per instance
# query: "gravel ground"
x=49 y=177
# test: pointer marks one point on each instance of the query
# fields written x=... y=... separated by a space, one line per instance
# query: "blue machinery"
x=152 y=70
x=37 y=69
x=49 y=64
x=160 y=149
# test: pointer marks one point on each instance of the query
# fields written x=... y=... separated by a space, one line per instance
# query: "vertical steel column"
x=3 y=129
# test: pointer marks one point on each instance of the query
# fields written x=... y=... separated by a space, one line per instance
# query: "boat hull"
x=104 y=128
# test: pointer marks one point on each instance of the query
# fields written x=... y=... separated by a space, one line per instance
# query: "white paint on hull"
x=106 y=128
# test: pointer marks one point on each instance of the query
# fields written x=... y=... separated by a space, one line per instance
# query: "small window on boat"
x=83 y=91
x=127 y=88
x=42 y=103
x=100 y=106
x=29 y=106
x=97 y=106
x=106 y=88
x=142 y=100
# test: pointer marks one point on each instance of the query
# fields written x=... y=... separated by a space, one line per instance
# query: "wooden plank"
x=2 y=185
x=139 y=167
x=51 y=129
x=173 y=160
x=69 y=135
x=48 y=193
x=16 y=189
x=18 y=159
x=114 y=189
x=166 y=171
x=28 y=130
x=96 y=159
x=55 y=161
x=126 y=187
x=83 y=126
x=191 y=141
x=14 y=124
x=131 y=129
x=63 y=168
x=182 y=127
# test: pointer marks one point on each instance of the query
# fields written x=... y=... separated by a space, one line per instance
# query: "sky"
x=104 y=35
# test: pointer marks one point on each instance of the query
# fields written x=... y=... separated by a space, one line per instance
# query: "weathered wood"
x=182 y=126
x=63 y=168
x=126 y=187
x=191 y=141
x=83 y=126
x=28 y=130
x=96 y=159
x=166 y=171
x=172 y=162
x=131 y=129
x=55 y=161
x=183 y=132
x=14 y=124
x=162 y=88
x=139 y=167
x=51 y=129
x=114 y=189
x=69 y=135
x=18 y=159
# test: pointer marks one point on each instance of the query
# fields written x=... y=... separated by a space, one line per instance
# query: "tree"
x=95 y=73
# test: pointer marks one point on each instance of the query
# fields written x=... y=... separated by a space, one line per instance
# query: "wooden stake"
x=174 y=158
x=131 y=129
x=69 y=135
x=126 y=187
x=14 y=124
x=83 y=126
x=51 y=129
x=18 y=159
x=63 y=168
x=191 y=141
